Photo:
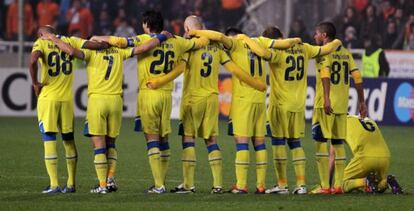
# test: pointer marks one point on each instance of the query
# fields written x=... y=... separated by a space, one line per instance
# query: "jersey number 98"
x=53 y=61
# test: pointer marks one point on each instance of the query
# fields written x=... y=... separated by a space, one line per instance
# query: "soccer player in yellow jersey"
x=368 y=169
x=154 y=106
x=286 y=110
x=331 y=106
x=104 y=113
x=199 y=105
x=55 y=102
x=248 y=109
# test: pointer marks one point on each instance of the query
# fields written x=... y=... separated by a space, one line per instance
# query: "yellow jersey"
x=56 y=68
x=288 y=74
x=202 y=70
x=365 y=139
x=160 y=60
x=340 y=64
x=105 y=70
x=254 y=65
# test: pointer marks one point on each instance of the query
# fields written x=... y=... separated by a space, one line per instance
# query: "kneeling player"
x=369 y=166
x=104 y=113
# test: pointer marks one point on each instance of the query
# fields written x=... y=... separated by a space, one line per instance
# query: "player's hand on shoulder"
x=167 y=34
x=47 y=36
x=37 y=87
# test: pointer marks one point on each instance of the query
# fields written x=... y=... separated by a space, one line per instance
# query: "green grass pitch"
x=23 y=175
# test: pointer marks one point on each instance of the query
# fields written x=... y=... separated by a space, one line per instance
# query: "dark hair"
x=272 y=32
x=328 y=28
x=374 y=10
x=154 y=20
x=233 y=31
x=374 y=39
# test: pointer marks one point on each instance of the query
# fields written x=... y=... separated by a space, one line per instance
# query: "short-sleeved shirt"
x=202 y=70
x=365 y=139
x=252 y=64
x=160 y=60
x=340 y=64
x=105 y=70
x=288 y=74
x=56 y=68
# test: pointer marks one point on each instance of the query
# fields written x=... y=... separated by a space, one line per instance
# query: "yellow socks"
x=71 y=160
x=353 y=184
x=242 y=165
x=280 y=160
x=154 y=161
x=322 y=160
x=299 y=160
x=112 y=156
x=189 y=162
x=101 y=166
x=216 y=164
x=164 y=159
x=261 y=165
x=340 y=161
x=51 y=161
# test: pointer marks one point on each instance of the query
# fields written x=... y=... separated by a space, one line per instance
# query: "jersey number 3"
x=208 y=59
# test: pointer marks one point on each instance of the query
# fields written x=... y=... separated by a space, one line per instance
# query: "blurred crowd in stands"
x=389 y=23
x=120 y=17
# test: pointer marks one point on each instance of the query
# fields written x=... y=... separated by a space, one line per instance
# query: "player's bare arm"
x=71 y=51
x=362 y=107
x=326 y=84
x=33 y=69
x=151 y=44
x=122 y=42
x=95 y=45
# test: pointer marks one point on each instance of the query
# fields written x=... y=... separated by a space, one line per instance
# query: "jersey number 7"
x=110 y=63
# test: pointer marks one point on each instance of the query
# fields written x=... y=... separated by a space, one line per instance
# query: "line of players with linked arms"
x=163 y=57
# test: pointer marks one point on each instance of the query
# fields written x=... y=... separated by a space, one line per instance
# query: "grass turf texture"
x=23 y=175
